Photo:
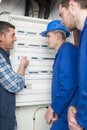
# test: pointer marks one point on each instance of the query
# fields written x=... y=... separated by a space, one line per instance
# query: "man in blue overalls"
x=77 y=10
x=64 y=80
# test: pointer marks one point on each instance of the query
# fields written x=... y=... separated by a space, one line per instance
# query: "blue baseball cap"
x=55 y=25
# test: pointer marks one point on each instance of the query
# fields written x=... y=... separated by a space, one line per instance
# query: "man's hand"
x=23 y=64
x=72 y=119
x=55 y=117
x=50 y=116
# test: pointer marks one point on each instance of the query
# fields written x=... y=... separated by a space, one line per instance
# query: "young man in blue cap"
x=64 y=80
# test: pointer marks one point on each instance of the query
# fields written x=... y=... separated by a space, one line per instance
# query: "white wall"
x=32 y=118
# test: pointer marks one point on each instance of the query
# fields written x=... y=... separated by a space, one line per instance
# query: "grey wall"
x=17 y=7
x=13 y=6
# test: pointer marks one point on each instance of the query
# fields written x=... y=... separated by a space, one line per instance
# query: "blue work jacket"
x=64 y=81
x=82 y=79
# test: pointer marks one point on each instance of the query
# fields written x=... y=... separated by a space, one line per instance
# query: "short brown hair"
x=65 y=3
x=82 y=3
x=4 y=27
x=61 y=32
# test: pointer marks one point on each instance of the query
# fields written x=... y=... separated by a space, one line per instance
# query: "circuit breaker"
x=38 y=74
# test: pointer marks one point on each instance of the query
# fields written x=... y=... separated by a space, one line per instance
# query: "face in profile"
x=9 y=39
x=67 y=18
x=52 y=39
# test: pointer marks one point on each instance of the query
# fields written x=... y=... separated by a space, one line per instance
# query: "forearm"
x=11 y=81
x=21 y=70
x=75 y=98
x=62 y=100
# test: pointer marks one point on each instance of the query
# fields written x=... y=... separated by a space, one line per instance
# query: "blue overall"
x=82 y=79
x=64 y=83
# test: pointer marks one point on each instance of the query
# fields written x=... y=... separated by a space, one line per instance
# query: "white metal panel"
x=38 y=74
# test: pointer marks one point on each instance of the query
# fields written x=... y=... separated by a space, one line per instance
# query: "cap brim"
x=43 y=34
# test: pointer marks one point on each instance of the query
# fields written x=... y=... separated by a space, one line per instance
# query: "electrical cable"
x=33 y=12
x=35 y=114
x=5 y=12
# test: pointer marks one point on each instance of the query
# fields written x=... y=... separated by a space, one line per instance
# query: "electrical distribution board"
x=38 y=74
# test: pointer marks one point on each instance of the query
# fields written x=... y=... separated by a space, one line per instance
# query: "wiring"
x=32 y=12
x=34 y=115
x=5 y=12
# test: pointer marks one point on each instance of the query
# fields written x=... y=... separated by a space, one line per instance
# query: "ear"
x=58 y=35
x=2 y=37
x=71 y=4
